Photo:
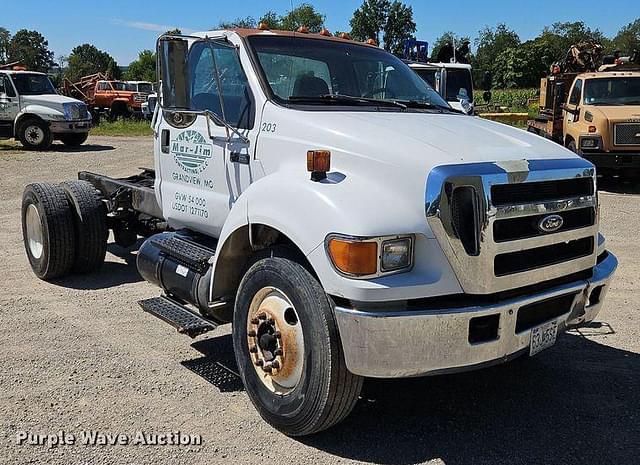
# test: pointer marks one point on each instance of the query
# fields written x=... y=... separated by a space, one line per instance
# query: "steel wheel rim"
x=35 y=234
x=275 y=340
x=34 y=134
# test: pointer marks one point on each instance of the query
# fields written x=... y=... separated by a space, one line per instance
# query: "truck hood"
x=616 y=113
x=47 y=100
x=53 y=102
x=412 y=141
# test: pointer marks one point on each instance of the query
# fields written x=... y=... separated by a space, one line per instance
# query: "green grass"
x=122 y=127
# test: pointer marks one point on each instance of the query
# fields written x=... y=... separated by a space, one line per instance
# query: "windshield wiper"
x=347 y=99
x=423 y=104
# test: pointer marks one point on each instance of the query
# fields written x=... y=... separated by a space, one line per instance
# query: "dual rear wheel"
x=64 y=228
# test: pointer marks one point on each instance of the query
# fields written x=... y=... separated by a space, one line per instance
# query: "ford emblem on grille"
x=550 y=223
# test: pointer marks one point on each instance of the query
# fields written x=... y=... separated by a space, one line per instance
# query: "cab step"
x=177 y=315
x=189 y=253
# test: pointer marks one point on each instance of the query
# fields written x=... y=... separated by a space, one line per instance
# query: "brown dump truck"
x=595 y=114
x=103 y=95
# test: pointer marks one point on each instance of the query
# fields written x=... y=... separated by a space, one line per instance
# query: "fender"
x=346 y=204
x=46 y=114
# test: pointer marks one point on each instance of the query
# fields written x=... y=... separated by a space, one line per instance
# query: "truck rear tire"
x=47 y=230
x=288 y=349
x=34 y=134
x=74 y=139
x=90 y=221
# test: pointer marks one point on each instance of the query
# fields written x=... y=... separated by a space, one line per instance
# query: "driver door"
x=204 y=166
x=9 y=106
x=573 y=105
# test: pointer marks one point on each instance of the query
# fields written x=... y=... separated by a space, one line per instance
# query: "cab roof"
x=609 y=74
x=276 y=32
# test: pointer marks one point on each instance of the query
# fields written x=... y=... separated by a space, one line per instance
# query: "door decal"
x=191 y=151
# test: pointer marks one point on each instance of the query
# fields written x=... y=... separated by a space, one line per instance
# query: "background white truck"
x=32 y=112
x=319 y=195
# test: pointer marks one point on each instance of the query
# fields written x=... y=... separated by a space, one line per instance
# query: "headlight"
x=396 y=254
x=74 y=111
x=369 y=257
x=590 y=143
x=68 y=110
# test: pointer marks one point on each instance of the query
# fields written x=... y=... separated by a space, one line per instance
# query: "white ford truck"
x=32 y=112
x=321 y=197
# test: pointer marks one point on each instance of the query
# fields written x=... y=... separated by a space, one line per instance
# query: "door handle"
x=237 y=157
x=164 y=141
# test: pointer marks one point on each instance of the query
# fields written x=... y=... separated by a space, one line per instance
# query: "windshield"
x=117 y=85
x=33 y=84
x=459 y=85
x=303 y=70
x=612 y=91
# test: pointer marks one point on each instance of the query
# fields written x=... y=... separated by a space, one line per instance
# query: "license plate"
x=543 y=337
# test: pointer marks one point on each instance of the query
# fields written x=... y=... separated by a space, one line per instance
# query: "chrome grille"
x=626 y=133
x=512 y=250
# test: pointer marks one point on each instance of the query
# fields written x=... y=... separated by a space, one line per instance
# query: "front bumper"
x=405 y=343
x=67 y=127
x=613 y=160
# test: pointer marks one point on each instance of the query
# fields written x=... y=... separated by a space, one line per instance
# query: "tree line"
x=499 y=51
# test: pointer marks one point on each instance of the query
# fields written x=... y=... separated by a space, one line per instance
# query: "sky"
x=123 y=28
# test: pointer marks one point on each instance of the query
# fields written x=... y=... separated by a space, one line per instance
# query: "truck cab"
x=602 y=120
x=318 y=195
x=453 y=81
x=33 y=112
x=117 y=98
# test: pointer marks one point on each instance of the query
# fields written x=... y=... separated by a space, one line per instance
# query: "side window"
x=6 y=87
x=291 y=75
x=576 y=93
x=205 y=95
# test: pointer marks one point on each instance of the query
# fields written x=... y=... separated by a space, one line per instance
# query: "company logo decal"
x=191 y=151
x=550 y=223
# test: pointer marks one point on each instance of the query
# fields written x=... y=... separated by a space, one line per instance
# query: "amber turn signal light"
x=371 y=42
x=325 y=32
x=303 y=30
x=263 y=26
x=318 y=163
x=355 y=258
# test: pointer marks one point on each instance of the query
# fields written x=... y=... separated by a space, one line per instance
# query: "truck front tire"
x=34 y=134
x=47 y=230
x=288 y=349
x=74 y=139
x=90 y=225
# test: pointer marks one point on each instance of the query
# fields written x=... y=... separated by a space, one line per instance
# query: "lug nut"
x=267 y=368
x=277 y=352
x=252 y=333
x=275 y=364
x=254 y=350
x=259 y=363
x=254 y=321
x=277 y=334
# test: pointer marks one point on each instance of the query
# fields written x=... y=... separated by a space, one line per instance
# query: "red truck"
x=103 y=95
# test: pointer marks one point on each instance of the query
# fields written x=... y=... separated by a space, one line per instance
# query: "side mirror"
x=172 y=55
x=573 y=111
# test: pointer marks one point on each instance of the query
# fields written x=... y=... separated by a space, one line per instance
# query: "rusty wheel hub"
x=274 y=336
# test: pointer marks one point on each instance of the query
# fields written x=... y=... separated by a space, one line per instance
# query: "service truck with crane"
x=318 y=195
x=594 y=113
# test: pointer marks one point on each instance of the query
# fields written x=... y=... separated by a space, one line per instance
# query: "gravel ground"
x=79 y=355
